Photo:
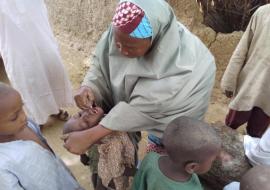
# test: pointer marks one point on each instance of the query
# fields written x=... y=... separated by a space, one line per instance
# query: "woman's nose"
x=125 y=53
x=119 y=46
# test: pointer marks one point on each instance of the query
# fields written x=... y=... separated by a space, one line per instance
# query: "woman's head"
x=132 y=30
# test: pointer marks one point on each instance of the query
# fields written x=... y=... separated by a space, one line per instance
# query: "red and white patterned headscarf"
x=127 y=17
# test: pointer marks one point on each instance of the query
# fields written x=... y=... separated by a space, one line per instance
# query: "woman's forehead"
x=126 y=39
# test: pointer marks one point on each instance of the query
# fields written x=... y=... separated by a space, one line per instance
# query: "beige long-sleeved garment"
x=248 y=72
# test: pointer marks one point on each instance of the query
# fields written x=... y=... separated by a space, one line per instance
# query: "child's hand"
x=84 y=98
x=229 y=94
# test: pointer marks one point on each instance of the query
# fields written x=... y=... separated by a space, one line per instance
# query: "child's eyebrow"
x=14 y=115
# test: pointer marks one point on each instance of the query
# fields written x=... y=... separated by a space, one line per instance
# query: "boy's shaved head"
x=186 y=139
x=256 y=178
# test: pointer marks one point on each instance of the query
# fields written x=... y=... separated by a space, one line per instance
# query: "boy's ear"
x=192 y=167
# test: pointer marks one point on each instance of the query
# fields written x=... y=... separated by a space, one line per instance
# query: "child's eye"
x=14 y=118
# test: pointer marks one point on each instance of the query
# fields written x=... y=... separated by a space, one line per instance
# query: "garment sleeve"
x=238 y=59
x=96 y=79
x=9 y=181
x=122 y=116
x=125 y=117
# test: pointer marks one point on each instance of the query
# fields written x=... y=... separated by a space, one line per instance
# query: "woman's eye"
x=118 y=45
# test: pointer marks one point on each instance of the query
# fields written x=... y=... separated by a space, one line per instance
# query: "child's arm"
x=79 y=142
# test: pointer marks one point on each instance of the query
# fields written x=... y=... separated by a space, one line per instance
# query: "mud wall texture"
x=79 y=24
x=83 y=20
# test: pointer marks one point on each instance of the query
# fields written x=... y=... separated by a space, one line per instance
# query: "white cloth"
x=258 y=150
x=31 y=58
x=232 y=186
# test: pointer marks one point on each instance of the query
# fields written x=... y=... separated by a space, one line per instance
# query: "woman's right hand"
x=84 y=98
x=229 y=94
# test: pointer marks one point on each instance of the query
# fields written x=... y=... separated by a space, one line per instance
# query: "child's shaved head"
x=12 y=116
x=189 y=140
x=5 y=89
x=256 y=178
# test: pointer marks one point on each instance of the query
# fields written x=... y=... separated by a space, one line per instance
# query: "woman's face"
x=129 y=46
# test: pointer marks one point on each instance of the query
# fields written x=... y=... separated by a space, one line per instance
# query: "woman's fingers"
x=84 y=98
x=79 y=100
x=90 y=98
x=76 y=142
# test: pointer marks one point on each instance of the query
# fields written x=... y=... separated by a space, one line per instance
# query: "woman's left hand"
x=80 y=141
x=77 y=142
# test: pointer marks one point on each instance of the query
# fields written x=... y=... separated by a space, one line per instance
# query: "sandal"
x=62 y=115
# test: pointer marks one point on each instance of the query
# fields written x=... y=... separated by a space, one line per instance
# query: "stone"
x=224 y=172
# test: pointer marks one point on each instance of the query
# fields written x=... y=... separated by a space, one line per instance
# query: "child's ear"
x=192 y=167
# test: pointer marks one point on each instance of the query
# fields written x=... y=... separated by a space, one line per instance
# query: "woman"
x=32 y=60
x=147 y=70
